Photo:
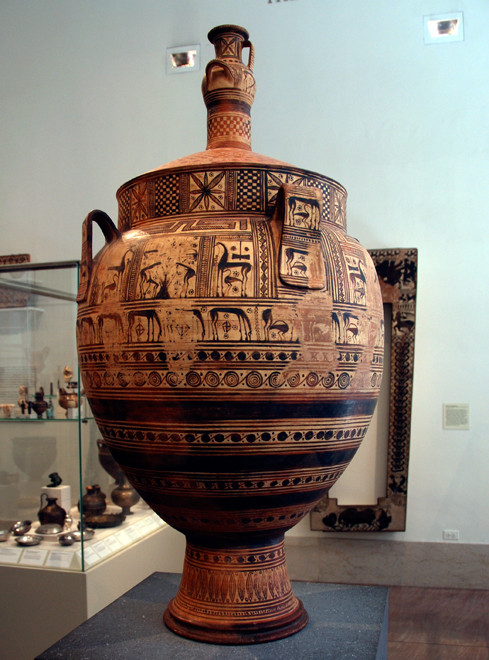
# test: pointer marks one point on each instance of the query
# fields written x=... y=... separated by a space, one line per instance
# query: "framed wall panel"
x=397 y=272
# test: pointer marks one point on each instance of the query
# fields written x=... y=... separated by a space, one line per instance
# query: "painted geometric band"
x=236 y=521
x=210 y=380
x=224 y=590
x=230 y=125
x=233 y=556
x=165 y=193
x=263 y=437
x=235 y=487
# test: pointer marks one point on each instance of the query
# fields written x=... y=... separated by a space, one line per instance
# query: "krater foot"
x=235 y=596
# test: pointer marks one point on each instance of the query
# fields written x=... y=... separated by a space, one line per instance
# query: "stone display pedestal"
x=345 y=622
x=62 y=495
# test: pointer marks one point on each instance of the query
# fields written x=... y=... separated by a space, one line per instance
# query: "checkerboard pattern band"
x=237 y=126
x=167 y=195
x=249 y=190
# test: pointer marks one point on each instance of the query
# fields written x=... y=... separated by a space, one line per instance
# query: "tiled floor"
x=438 y=624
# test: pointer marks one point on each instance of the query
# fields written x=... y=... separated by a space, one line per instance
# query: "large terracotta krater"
x=230 y=337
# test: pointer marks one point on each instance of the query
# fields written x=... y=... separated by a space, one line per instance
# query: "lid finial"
x=229 y=89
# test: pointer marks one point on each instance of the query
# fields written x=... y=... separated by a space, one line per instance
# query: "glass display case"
x=51 y=454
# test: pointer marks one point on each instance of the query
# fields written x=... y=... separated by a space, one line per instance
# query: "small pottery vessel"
x=125 y=496
x=67 y=400
x=6 y=409
x=22 y=400
x=50 y=511
x=230 y=338
x=93 y=501
x=54 y=480
x=39 y=405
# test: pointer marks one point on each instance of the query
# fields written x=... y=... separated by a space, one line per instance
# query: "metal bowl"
x=49 y=529
x=21 y=527
x=4 y=535
x=87 y=534
x=28 y=539
x=67 y=539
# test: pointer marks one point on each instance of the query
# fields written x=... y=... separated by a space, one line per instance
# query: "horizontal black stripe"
x=219 y=410
x=258 y=506
x=219 y=466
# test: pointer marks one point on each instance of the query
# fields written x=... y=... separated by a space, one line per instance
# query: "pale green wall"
x=345 y=88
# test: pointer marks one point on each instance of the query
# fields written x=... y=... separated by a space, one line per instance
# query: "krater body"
x=230 y=338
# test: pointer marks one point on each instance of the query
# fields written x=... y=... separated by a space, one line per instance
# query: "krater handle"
x=301 y=261
x=229 y=73
x=251 y=58
x=111 y=234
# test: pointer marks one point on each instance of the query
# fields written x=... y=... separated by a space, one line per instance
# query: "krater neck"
x=229 y=89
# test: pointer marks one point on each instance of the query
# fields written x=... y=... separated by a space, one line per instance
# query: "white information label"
x=133 y=533
x=144 y=524
x=151 y=524
x=456 y=416
x=141 y=527
x=90 y=556
x=102 y=549
x=113 y=543
x=34 y=557
x=59 y=559
x=10 y=555
x=123 y=538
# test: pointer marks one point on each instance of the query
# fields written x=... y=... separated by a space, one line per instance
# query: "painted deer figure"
x=293 y=263
x=280 y=326
x=148 y=286
x=351 y=328
x=115 y=323
x=228 y=266
x=151 y=318
x=189 y=273
x=86 y=329
x=109 y=289
x=358 y=280
x=243 y=321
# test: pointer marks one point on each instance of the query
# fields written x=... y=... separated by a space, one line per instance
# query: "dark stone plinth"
x=344 y=622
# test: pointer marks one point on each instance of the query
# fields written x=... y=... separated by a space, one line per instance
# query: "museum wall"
x=348 y=89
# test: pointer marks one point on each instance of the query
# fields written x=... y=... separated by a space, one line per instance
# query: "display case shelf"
x=106 y=543
x=30 y=420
